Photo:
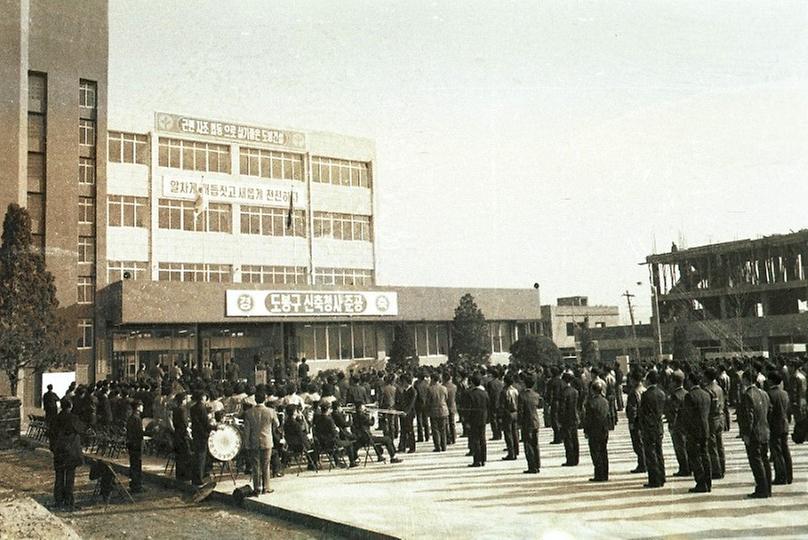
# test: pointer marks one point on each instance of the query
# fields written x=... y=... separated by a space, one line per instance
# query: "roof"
x=747 y=245
x=155 y=302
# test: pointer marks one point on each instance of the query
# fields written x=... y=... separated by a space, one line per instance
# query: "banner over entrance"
x=248 y=303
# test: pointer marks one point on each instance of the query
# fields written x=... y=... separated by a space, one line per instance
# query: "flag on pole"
x=201 y=202
x=291 y=209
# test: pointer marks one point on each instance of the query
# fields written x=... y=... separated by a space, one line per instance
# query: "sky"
x=558 y=142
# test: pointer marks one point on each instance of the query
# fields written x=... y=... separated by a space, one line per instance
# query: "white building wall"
x=127 y=244
x=127 y=179
x=342 y=253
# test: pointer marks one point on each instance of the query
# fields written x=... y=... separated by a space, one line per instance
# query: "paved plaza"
x=435 y=495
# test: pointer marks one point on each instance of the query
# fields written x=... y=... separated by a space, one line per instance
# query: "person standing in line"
x=407 y=401
x=597 y=423
x=422 y=415
x=134 y=446
x=568 y=421
x=200 y=430
x=509 y=407
x=632 y=414
x=528 y=416
x=753 y=421
x=438 y=411
x=652 y=406
x=717 y=403
x=778 y=427
x=674 y=413
x=50 y=402
x=477 y=419
x=451 y=403
x=494 y=389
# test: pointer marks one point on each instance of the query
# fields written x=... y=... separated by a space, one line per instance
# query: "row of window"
x=218 y=273
x=293 y=275
x=185 y=216
x=35 y=200
x=338 y=341
x=212 y=157
x=342 y=226
x=343 y=276
x=340 y=172
x=269 y=221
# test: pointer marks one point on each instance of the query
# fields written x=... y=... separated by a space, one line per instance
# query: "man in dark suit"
x=362 y=423
x=134 y=447
x=406 y=404
x=67 y=430
x=50 y=403
x=451 y=403
x=754 y=423
x=568 y=420
x=652 y=406
x=553 y=397
x=477 y=419
x=438 y=410
x=528 y=415
x=421 y=413
x=597 y=423
x=326 y=435
x=494 y=389
x=200 y=430
x=696 y=416
x=778 y=427
x=676 y=422
x=635 y=392
x=181 y=440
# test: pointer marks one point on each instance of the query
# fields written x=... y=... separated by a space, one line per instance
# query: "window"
x=340 y=172
x=273 y=274
x=120 y=270
x=37 y=93
x=219 y=273
x=87 y=210
x=86 y=171
x=127 y=211
x=181 y=215
x=86 y=137
x=36 y=173
x=338 y=341
x=86 y=249
x=36 y=209
x=570 y=329
x=269 y=221
x=193 y=155
x=343 y=276
x=500 y=337
x=86 y=290
x=88 y=99
x=36 y=133
x=128 y=148
x=269 y=164
x=342 y=226
x=85 y=338
x=430 y=339
x=600 y=324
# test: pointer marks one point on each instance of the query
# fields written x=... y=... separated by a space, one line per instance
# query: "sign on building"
x=247 y=303
x=228 y=131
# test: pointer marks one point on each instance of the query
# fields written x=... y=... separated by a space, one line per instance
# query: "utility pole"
x=629 y=296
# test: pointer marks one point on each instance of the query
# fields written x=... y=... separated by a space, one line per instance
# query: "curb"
x=299 y=518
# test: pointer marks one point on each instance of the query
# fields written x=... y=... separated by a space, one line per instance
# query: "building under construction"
x=746 y=296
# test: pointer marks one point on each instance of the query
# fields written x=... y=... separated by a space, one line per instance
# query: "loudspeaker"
x=239 y=494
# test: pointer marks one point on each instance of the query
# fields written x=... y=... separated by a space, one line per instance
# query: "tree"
x=402 y=350
x=589 y=352
x=531 y=350
x=32 y=335
x=470 y=336
x=683 y=349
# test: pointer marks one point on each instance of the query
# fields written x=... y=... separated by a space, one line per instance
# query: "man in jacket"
x=778 y=427
x=438 y=411
x=67 y=430
x=754 y=423
x=134 y=446
x=477 y=400
x=50 y=403
x=674 y=413
x=632 y=414
x=717 y=403
x=362 y=422
x=568 y=421
x=652 y=406
x=509 y=409
x=494 y=389
x=528 y=416
x=200 y=430
x=259 y=421
x=597 y=423
x=406 y=404
x=422 y=416
x=326 y=435
x=451 y=403
x=696 y=415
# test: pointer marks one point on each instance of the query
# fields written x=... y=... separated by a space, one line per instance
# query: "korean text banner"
x=248 y=303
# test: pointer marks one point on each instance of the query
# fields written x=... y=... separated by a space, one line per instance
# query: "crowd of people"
x=296 y=415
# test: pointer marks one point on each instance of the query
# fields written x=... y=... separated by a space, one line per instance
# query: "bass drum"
x=224 y=443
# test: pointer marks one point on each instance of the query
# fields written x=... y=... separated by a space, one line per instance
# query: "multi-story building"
x=53 y=64
x=194 y=240
x=562 y=322
x=747 y=296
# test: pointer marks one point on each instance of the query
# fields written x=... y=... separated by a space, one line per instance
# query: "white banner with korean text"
x=249 y=303
x=255 y=192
